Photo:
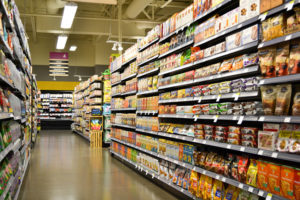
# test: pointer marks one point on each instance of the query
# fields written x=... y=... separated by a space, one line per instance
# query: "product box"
x=249 y=9
x=250 y=34
x=233 y=41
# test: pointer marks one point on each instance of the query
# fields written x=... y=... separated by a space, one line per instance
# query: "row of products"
x=126 y=136
x=148 y=83
x=148 y=53
x=280 y=25
x=175 y=109
x=130 y=86
x=148 y=67
x=10 y=132
x=152 y=35
x=277 y=100
x=125 y=119
x=4 y=101
x=281 y=61
x=147 y=103
x=130 y=53
x=131 y=69
x=115 y=77
x=125 y=151
x=147 y=123
x=119 y=103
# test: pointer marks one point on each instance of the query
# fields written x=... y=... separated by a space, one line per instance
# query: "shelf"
x=153 y=175
x=5 y=15
x=95 y=96
x=128 y=93
x=148 y=60
x=230 y=53
x=123 y=109
x=129 y=77
x=148 y=45
x=229 y=75
x=147 y=112
x=146 y=131
x=234 y=96
x=213 y=10
x=178 y=100
x=22 y=178
x=177 y=69
x=117 y=83
x=82 y=135
x=147 y=92
x=129 y=61
x=281 y=79
x=167 y=37
x=175 y=116
x=6 y=115
x=279 y=40
x=237 y=118
x=8 y=185
x=148 y=72
x=228 y=31
x=176 y=85
x=280 y=119
x=116 y=95
x=123 y=126
x=11 y=147
x=181 y=47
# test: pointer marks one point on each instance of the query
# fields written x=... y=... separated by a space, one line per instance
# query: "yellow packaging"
x=194 y=182
x=231 y=193
x=208 y=188
x=252 y=173
x=201 y=187
x=218 y=190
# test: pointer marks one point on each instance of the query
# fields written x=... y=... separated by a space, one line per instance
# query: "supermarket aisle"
x=63 y=167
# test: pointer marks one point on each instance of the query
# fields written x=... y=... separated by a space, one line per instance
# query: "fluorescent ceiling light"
x=73 y=48
x=68 y=15
x=58 y=74
x=58 y=70
x=58 y=67
x=61 y=41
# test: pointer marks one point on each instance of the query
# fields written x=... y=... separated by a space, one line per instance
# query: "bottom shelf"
x=82 y=135
x=153 y=175
x=22 y=178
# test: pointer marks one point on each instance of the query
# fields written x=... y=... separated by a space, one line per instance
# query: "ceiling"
x=94 y=19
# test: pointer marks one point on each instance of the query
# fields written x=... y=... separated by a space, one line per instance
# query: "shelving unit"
x=177 y=131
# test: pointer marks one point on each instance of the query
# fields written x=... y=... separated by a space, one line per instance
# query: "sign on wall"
x=58 y=64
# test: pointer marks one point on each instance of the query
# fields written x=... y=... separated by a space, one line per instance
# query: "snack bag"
x=287 y=182
x=194 y=182
x=266 y=33
x=294 y=63
x=274 y=178
x=252 y=173
x=285 y=133
x=282 y=60
x=201 y=187
x=266 y=57
x=283 y=99
x=231 y=193
x=218 y=190
x=226 y=65
x=186 y=181
x=297 y=183
x=277 y=26
x=262 y=175
x=268 y=94
x=294 y=144
x=208 y=188
x=242 y=169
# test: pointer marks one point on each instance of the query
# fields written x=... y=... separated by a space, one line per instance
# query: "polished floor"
x=63 y=167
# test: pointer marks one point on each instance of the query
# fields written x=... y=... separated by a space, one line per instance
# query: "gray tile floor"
x=63 y=167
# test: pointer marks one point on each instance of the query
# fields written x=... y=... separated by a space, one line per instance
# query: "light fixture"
x=114 y=48
x=120 y=47
x=61 y=41
x=68 y=15
x=79 y=78
x=73 y=48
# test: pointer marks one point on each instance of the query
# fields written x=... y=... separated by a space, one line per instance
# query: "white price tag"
x=177 y=137
x=183 y=164
x=250 y=189
x=261 y=193
x=218 y=98
x=242 y=149
x=204 y=172
x=153 y=175
x=194 y=168
x=204 y=142
x=218 y=177
x=288 y=37
x=228 y=146
x=240 y=120
x=263 y=16
x=261 y=82
x=195 y=117
x=269 y=196
x=200 y=99
x=241 y=185
x=216 y=118
x=236 y=96
x=175 y=161
x=146 y=172
x=289 y=6
x=234 y=118
x=181 y=190
x=260 y=152
x=135 y=166
x=261 y=45
x=274 y=155
x=223 y=179
x=261 y=119
x=287 y=120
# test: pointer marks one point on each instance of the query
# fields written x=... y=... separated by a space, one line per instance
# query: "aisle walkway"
x=63 y=167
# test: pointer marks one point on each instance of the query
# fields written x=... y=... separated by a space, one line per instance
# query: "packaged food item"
x=262 y=175
x=277 y=26
x=226 y=65
x=282 y=60
x=201 y=187
x=283 y=99
x=294 y=66
x=194 y=182
x=266 y=58
x=252 y=173
x=296 y=105
x=297 y=183
x=217 y=190
x=250 y=34
x=233 y=41
x=267 y=140
x=266 y=30
x=274 y=178
x=285 y=134
x=268 y=94
x=231 y=193
x=208 y=188
x=242 y=169
x=250 y=59
x=287 y=182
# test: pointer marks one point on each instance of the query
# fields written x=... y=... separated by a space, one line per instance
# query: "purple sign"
x=59 y=55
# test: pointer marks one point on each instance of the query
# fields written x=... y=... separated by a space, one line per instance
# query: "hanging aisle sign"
x=58 y=64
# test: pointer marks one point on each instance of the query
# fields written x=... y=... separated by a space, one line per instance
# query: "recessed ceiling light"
x=68 y=15
x=73 y=48
x=61 y=41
